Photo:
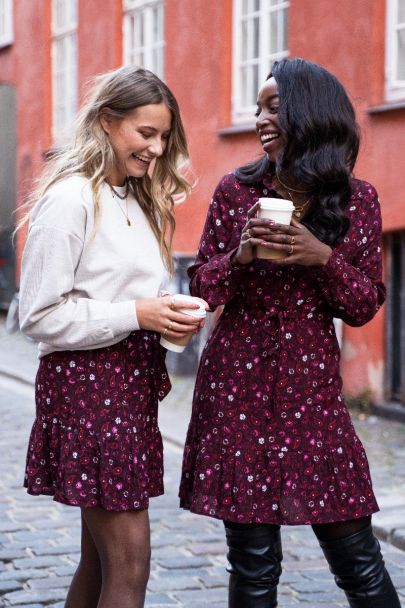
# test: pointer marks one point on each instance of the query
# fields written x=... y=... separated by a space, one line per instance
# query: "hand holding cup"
x=259 y=229
x=194 y=309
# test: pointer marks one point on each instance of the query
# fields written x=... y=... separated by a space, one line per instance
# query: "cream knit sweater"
x=78 y=288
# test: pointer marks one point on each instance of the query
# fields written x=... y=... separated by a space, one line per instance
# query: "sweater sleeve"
x=354 y=290
x=51 y=310
x=213 y=277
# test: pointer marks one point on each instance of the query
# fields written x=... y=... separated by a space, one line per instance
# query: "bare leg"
x=123 y=544
x=85 y=588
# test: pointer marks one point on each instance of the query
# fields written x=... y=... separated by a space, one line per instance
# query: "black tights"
x=325 y=532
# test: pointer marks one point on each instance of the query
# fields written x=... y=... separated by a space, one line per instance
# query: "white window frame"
x=6 y=23
x=152 y=49
x=394 y=87
x=240 y=112
x=64 y=76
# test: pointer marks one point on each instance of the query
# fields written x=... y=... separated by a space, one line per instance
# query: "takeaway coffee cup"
x=279 y=210
x=178 y=345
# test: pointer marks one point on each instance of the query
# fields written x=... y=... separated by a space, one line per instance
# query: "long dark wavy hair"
x=319 y=126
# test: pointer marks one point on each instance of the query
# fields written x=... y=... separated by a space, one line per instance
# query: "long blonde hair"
x=91 y=155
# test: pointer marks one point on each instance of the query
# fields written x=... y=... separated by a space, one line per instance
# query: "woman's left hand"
x=301 y=246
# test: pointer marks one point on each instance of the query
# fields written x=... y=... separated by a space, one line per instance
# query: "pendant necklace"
x=298 y=209
x=122 y=197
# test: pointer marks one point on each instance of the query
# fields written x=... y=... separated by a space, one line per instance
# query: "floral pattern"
x=270 y=439
x=95 y=440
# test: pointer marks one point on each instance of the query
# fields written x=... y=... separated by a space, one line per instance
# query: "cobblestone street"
x=39 y=539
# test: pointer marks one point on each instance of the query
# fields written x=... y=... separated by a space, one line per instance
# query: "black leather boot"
x=254 y=557
x=358 y=567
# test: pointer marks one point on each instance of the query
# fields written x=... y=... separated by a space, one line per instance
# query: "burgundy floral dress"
x=270 y=439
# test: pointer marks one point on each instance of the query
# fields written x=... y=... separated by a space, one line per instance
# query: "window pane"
x=139 y=30
x=243 y=90
x=255 y=84
x=401 y=55
x=273 y=32
x=401 y=11
x=256 y=37
x=284 y=31
x=244 y=41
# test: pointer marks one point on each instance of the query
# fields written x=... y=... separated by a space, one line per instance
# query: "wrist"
x=235 y=261
x=326 y=253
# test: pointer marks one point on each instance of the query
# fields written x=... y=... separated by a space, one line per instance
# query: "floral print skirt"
x=95 y=440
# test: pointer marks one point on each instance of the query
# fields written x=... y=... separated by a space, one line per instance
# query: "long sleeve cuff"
x=123 y=318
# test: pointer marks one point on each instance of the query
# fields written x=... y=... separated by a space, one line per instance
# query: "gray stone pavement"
x=39 y=539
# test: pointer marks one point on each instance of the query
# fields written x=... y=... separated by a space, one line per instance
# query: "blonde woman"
x=97 y=251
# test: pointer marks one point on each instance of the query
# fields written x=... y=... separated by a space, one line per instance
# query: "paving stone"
x=312 y=586
x=213 y=548
x=198 y=604
x=160 y=601
x=29 y=596
x=211 y=582
x=10 y=553
x=398 y=538
x=56 y=549
x=34 y=535
x=177 y=583
x=22 y=575
x=180 y=562
x=209 y=595
x=11 y=526
x=29 y=606
x=50 y=582
x=9 y=585
x=36 y=562
x=67 y=570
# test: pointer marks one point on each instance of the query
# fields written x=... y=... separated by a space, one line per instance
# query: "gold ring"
x=169 y=326
x=292 y=242
x=172 y=303
x=164 y=331
x=291 y=249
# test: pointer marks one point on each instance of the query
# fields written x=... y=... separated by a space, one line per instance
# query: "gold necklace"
x=289 y=187
x=123 y=197
x=298 y=209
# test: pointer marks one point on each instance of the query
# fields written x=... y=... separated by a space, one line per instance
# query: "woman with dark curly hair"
x=271 y=441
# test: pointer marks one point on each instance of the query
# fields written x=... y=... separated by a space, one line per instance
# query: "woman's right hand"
x=162 y=315
x=253 y=234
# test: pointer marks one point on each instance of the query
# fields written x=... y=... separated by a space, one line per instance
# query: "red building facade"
x=200 y=40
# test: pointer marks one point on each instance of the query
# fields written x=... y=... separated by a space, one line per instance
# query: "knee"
x=131 y=567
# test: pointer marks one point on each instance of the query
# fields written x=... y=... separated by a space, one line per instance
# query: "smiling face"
x=267 y=125
x=137 y=139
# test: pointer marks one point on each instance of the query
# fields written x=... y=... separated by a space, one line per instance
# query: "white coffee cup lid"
x=276 y=204
x=199 y=312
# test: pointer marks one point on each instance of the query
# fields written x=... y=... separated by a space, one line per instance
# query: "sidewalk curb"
x=11 y=374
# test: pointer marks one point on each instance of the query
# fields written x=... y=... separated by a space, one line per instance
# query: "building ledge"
x=387 y=107
x=236 y=129
x=391 y=411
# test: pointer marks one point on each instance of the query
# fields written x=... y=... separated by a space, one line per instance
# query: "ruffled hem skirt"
x=247 y=483
x=95 y=440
